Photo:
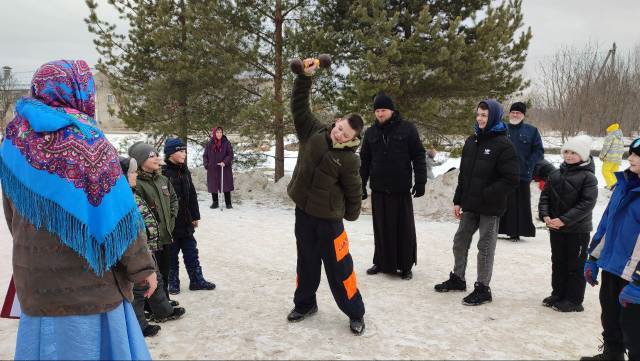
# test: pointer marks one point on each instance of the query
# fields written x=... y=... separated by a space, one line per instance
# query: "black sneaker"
x=295 y=316
x=607 y=354
x=151 y=330
x=406 y=275
x=176 y=314
x=375 y=269
x=549 y=301
x=481 y=294
x=514 y=239
x=357 y=326
x=567 y=306
x=454 y=283
x=174 y=303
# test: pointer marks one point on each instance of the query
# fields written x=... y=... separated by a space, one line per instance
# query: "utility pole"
x=611 y=54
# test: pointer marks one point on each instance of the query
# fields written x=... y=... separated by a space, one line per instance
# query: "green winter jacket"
x=326 y=181
x=162 y=200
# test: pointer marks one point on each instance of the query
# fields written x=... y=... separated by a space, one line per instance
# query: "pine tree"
x=437 y=59
x=170 y=73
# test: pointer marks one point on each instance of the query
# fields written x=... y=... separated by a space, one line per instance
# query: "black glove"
x=364 y=192
x=418 y=190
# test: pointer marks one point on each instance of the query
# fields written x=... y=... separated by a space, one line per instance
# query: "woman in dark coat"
x=218 y=157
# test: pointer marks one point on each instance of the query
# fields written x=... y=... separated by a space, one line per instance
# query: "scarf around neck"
x=60 y=171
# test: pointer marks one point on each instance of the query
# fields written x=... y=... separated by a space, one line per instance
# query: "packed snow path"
x=250 y=253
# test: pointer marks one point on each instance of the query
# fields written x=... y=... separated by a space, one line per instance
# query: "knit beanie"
x=173 y=145
x=382 y=101
x=613 y=127
x=141 y=151
x=518 y=107
x=580 y=144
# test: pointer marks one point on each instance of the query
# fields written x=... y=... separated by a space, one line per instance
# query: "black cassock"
x=517 y=220
x=394 y=231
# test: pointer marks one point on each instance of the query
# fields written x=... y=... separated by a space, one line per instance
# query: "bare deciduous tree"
x=585 y=90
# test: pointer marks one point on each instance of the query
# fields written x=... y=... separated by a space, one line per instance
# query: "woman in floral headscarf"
x=77 y=232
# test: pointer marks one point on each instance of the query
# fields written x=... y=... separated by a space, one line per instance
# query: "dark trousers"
x=621 y=325
x=163 y=259
x=394 y=231
x=324 y=241
x=227 y=198
x=158 y=303
x=189 y=248
x=568 y=254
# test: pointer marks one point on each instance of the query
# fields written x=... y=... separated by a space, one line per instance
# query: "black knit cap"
x=635 y=147
x=382 y=101
x=518 y=107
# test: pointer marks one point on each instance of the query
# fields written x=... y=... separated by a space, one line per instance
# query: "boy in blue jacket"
x=615 y=249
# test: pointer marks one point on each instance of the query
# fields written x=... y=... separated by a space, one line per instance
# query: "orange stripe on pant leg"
x=341 y=246
x=350 y=285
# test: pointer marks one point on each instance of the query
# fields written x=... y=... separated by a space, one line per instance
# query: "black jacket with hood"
x=489 y=168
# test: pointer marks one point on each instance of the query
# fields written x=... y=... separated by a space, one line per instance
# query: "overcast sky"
x=35 y=31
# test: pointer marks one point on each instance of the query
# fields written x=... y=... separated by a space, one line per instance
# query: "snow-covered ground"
x=249 y=252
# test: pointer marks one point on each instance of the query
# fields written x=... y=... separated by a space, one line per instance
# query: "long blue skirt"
x=113 y=335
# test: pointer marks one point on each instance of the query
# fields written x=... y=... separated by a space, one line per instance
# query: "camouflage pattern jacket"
x=150 y=222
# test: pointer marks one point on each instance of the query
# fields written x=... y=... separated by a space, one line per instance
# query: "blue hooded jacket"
x=616 y=243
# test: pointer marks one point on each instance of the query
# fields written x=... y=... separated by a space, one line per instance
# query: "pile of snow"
x=256 y=185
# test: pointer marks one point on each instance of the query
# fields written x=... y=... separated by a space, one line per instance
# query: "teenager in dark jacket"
x=175 y=168
x=615 y=249
x=391 y=149
x=517 y=220
x=488 y=173
x=217 y=158
x=326 y=188
x=566 y=203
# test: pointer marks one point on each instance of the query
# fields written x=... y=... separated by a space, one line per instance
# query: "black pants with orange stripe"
x=324 y=241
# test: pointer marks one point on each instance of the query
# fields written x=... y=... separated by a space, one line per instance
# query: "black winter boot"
x=176 y=314
x=214 y=204
x=197 y=280
x=454 y=283
x=295 y=316
x=151 y=330
x=481 y=294
x=607 y=354
x=174 y=282
x=375 y=269
x=357 y=326
x=549 y=301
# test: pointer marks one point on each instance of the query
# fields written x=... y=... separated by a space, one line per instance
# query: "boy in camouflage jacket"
x=158 y=303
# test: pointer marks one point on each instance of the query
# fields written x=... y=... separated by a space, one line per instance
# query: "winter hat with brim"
x=173 y=145
x=141 y=151
x=635 y=147
x=613 y=127
x=518 y=107
x=580 y=144
x=382 y=101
